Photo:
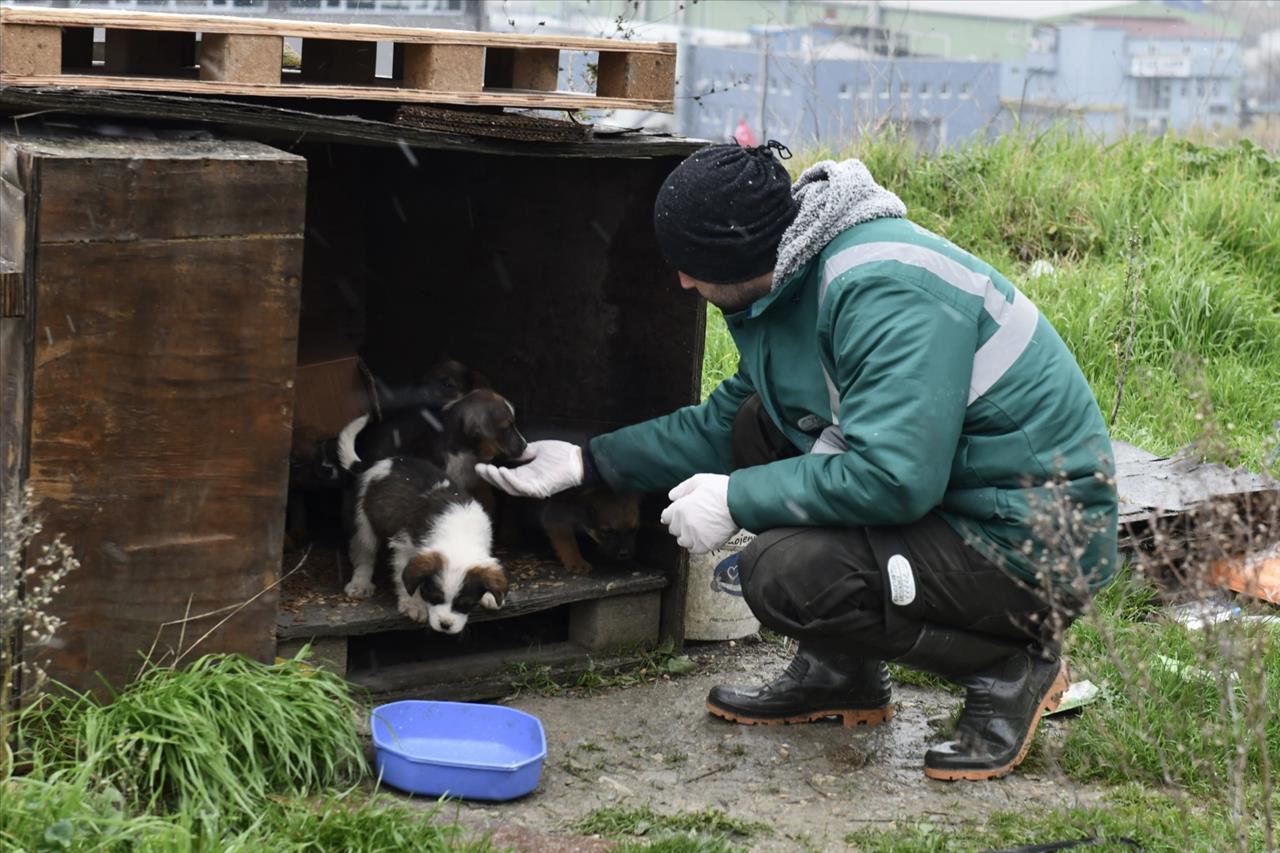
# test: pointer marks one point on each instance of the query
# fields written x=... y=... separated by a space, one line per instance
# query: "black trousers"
x=869 y=590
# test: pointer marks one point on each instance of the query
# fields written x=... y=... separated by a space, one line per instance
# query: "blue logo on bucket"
x=724 y=577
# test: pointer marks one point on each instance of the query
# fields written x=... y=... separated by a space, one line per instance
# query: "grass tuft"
x=1153 y=820
x=653 y=664
x=1180 y=707
x=333 y=823
x=211 y=741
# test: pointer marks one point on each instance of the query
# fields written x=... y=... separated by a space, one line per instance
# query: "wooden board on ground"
x=1152 y=486
x=157 y=52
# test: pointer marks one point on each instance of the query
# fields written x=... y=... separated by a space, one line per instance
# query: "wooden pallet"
x=605 y=616
x=152 y=52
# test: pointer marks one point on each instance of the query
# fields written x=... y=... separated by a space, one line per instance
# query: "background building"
x=1115 y=75
x=941 y=71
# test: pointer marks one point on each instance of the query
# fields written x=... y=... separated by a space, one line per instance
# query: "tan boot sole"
x=1051 y=702
x=849 y=716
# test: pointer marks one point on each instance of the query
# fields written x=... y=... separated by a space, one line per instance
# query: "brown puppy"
x=479 y=427
x=607 y=518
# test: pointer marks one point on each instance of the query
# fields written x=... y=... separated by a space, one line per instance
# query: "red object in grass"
x=1259 y=578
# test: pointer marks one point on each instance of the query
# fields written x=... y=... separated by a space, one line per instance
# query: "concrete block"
x=616 y=622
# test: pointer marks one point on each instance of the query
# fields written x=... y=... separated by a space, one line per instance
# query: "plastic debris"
x=1079 y=694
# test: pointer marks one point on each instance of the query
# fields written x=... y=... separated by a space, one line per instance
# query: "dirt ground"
x=654 y=745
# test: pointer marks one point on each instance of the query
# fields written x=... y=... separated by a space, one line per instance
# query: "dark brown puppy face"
x=484 y=423
x=614 y=520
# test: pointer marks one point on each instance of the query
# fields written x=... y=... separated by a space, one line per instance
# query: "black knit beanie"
x=721 y=214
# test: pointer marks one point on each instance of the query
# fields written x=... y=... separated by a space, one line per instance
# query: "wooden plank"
x=16 y=220
x=165 y=190
x=346 y=617
x=312 y=29
x=442 y=67
x=531 y=100
x=13 y=301
x=272 y=121
x=160 y=431
x=522 y=68
x=563 y=664
x=642 y=76
x=145 y=52
x=13 y=223
x=1130 y=454
x=28 y=50
x=14 y=413
x=485 y=675
x=1177 y=484
x=345 y=62
x=247 y=59
x=161 y=409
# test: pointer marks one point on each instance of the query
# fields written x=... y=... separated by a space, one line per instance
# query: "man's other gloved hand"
x=698 y=516
x=550 y=467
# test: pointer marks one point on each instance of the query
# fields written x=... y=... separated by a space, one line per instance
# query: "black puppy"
x=478 y=427
x=411 y=417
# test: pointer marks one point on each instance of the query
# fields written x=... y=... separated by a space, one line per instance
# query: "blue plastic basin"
x=459 y=749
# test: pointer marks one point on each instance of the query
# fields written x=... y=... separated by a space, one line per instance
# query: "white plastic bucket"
x=714 y=606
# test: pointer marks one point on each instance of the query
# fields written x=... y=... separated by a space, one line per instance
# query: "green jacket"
x=952 y=393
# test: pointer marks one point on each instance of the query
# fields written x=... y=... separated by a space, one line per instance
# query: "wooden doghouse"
x=165 y=297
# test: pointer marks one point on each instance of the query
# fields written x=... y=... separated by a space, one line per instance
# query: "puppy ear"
x=469 y=414
x=420 y=568
x=494 y=581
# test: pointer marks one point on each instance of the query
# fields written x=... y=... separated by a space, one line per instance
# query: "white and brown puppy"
x=439 y=538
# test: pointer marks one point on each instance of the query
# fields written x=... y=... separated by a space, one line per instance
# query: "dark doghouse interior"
x=541 y=273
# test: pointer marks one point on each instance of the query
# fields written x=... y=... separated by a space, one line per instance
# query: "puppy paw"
x=578 y=566
x=414 y=607
x=358 y=588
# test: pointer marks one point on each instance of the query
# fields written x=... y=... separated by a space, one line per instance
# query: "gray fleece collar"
x=833 y=197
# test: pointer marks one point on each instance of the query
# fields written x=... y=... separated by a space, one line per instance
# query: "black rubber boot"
x=1007 y=687
x=814 y=686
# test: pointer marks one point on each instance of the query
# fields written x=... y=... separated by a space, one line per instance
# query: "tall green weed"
x=211 y=742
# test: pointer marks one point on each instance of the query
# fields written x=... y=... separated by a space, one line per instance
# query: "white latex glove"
x=552 y=467
x=698 y=516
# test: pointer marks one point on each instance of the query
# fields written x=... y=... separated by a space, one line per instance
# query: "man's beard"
x=732 y=298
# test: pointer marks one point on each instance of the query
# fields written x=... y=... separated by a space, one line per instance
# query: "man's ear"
x=420 y=568
x=494 y=582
